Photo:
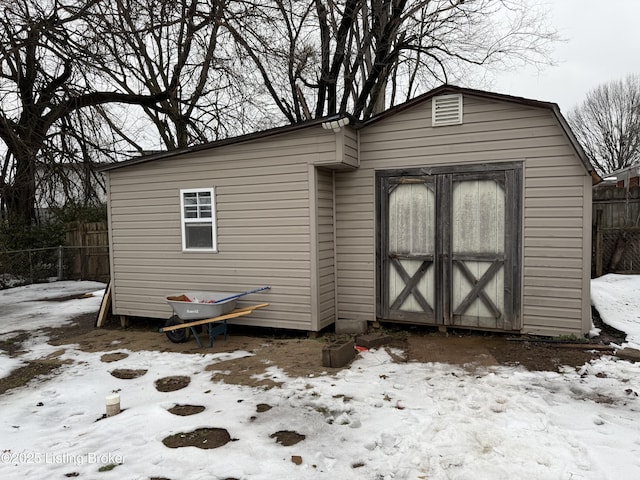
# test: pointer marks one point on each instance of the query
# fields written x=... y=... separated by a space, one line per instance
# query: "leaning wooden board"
x=105 y=306
x=215 y=325
x=236 y=313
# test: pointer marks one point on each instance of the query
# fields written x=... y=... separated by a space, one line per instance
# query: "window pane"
x=198 y=205
x=191 y=212
x=198 y=235
x=205 y=212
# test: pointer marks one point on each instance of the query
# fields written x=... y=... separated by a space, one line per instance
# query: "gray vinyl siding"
x=555 y=244
x=350 y=142
x=355 y=245
x=556 y=190
x=325 y=248
x=262 y=193
x=346 y=151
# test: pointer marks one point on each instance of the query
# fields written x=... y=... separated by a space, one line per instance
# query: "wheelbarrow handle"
x=231 y=297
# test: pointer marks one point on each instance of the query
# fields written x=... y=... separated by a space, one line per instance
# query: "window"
x=197 y=206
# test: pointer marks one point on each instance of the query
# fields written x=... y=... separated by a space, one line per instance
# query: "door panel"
x=477 y=252
x=411 y=248
x=449 y=245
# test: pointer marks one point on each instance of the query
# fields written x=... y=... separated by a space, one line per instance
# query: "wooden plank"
x=221 y=318
x=444 y=266
x=236 y=313
x=105 y=306
x=599 y=251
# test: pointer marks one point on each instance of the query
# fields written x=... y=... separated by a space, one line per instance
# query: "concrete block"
x=347 y=325
x=630 y=354
x=338 y=354
x=373 y=340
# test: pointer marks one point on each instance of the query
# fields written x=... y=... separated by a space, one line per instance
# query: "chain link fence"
x=22 y=267
x=617 y=250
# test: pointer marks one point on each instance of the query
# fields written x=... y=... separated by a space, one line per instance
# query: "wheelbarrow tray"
x=199 y=308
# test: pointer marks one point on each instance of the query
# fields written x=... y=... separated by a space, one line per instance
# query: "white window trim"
x=184 y=221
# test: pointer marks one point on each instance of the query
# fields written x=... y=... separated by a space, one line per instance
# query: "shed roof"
x=219 y=143
x=443 y=89
x=451 y=89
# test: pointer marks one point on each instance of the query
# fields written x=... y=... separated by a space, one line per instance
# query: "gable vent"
x=446 y=110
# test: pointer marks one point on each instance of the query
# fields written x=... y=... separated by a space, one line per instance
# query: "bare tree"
x=66 y=169
x=43 y=80
x=607 y=124
x=159 y=43
x=77 y=78
x=319 y=57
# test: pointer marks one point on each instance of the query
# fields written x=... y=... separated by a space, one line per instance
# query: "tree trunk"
x=20 y=194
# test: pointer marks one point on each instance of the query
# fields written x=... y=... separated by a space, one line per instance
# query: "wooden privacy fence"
x=88 y=251
x=84 y=257
x=616 y=230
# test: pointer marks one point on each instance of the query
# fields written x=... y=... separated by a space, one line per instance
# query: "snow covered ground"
x=375 y=420
x=617 y=298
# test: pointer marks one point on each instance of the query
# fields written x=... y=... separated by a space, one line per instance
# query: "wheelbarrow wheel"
x=179 y=335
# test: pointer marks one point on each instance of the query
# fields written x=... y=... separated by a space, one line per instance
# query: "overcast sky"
x=603 y=44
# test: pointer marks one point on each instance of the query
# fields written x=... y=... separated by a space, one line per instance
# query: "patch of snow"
x=8 y=364
x=35 y=306
x=617 y=298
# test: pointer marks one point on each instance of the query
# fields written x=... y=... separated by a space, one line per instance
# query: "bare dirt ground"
x=299 y=355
